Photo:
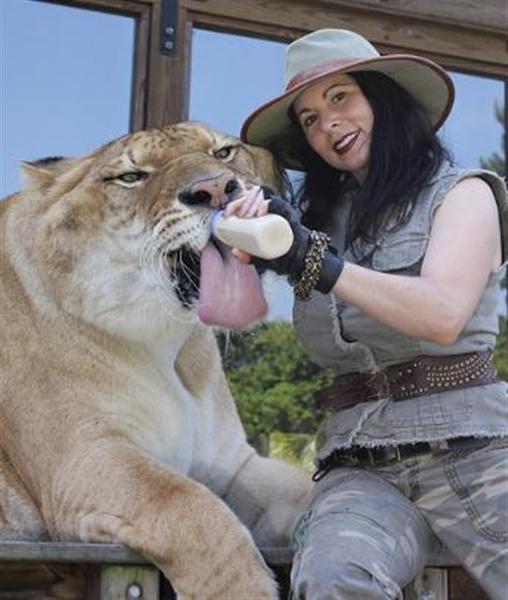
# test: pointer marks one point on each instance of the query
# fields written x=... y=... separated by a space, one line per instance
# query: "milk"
x=267 y=237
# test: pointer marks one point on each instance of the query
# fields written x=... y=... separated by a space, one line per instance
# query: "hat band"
x=321 y=69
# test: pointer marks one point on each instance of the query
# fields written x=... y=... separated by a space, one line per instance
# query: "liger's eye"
x=223 y=153
x=132 y=176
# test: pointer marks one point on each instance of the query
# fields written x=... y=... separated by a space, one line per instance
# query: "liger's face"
x=337 y=121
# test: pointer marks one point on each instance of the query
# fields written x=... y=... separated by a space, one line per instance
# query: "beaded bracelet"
x=313 y=265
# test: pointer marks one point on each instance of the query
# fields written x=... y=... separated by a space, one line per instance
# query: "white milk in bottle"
x=269 y=236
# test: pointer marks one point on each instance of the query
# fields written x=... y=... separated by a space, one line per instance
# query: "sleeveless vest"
x=338 y=335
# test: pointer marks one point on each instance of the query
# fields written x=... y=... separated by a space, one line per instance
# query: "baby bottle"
x=269 y=236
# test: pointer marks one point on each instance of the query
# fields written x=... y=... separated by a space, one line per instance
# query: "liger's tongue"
x=230 y=293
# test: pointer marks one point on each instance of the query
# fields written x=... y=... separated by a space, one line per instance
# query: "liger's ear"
x=41 y=173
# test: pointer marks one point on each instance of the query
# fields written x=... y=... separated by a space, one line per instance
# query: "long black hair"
x=405 y=153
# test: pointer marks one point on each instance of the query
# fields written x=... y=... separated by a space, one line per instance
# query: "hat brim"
x=425 y=80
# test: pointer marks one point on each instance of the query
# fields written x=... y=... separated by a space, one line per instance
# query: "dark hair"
x=405 y=153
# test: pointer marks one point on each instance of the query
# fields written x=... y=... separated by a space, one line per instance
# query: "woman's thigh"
x=361 y=538
x=464 y=498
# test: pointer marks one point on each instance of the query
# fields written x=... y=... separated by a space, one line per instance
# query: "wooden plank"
x=481 y=51
x=431 y=584
x=461 y=586
x=485 y=14
x=62 y=552
x=131 y=583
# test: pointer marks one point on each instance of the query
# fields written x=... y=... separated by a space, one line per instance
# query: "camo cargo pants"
x=369 y=532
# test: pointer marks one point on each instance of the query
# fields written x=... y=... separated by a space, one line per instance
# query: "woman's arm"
x=464 y=248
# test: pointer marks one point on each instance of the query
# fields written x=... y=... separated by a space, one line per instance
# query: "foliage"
x=272 y=380
x=501 y=350
x=496 y=161
x=295 y=448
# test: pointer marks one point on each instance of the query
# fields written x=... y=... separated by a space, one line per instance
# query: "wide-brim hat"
x=327 y=51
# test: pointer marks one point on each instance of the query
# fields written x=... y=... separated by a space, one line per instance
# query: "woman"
x=402 y=303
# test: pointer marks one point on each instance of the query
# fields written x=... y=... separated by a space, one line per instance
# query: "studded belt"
x=418 y=377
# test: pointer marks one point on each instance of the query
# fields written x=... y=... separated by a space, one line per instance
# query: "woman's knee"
x=342 y=580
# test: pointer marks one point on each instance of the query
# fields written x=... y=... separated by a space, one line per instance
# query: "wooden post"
x=129 y=583
x=431 y=584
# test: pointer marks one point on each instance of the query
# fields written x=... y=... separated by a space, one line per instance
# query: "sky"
x=66 y=77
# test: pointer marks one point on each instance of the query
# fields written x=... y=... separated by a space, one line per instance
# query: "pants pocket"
x=480 y=480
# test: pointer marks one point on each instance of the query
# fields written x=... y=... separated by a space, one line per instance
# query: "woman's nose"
x=329 y=122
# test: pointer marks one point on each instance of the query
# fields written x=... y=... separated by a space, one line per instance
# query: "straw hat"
x=328 y=51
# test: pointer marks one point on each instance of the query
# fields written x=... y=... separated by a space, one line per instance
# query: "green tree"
x=501 y=349
x=496 y=161
x=272 y=380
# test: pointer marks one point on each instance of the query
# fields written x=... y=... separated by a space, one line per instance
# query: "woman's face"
x=337 y=121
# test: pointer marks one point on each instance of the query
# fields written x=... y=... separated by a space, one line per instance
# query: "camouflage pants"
x=369 y=532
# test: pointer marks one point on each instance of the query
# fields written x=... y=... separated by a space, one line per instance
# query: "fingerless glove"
x=310 y=263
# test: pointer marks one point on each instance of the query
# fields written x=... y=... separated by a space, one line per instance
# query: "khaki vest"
x=338 y=335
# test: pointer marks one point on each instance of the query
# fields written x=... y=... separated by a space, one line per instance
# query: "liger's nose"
x=213 y=192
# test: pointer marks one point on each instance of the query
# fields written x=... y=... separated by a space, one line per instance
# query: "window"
x=66 y=82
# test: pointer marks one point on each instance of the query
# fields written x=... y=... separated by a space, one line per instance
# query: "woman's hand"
x=251 y=203
x=293 y=263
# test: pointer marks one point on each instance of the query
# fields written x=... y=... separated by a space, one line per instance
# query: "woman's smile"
x=346 y=143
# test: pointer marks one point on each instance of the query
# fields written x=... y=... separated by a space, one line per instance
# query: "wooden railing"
x=121 y=573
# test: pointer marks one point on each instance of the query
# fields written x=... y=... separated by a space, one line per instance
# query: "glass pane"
x=472 y=131
x=231 y=76
x=66 y=82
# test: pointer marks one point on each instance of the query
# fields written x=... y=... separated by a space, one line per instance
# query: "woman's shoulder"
x=452 y=178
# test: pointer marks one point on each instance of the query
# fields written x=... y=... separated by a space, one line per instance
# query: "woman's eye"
x=307 y=122
x=338 y=97
x=223 y=153
x=132 y=176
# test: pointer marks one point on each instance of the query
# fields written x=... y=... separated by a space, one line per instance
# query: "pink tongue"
x=230 y=293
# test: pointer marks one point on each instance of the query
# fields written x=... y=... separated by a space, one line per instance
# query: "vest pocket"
x=399 y=251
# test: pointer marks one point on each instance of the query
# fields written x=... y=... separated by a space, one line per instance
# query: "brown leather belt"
x=418 y=377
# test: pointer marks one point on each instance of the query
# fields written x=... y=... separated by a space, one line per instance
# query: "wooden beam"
x=139 y=91
x=169 y=76
x=472 y=50
x=481 y=14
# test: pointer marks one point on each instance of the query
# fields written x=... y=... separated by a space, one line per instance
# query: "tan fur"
x=117 y=422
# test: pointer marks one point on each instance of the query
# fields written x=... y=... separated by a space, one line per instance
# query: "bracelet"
x=313 y=265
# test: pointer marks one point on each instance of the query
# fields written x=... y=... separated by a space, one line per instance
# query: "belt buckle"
x=439 y=447
x=390 y=454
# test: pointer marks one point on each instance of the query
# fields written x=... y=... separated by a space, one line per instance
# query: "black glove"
x=293 y=262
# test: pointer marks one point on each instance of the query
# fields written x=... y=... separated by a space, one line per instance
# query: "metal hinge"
x=169 y=15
